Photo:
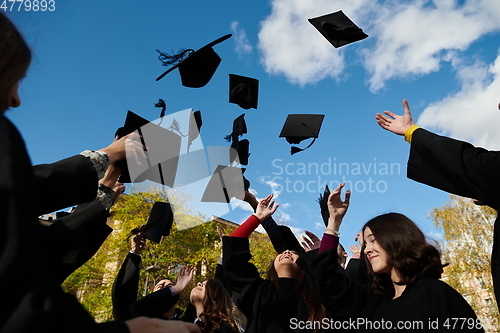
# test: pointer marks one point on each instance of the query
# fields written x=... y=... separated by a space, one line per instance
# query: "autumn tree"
x=468 y=238
x=199 y=246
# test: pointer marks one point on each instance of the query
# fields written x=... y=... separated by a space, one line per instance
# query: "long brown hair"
x=15 y=57
x=304 y=290
x=217 y=307
x=407 y=251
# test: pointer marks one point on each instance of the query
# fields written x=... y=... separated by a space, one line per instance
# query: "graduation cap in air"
x=338 y=29
x=300 y=127
x=225 y=183
x=196 y=68
x=285 y=241
x=163 y=149
x=323 y=204
x=240 y=149
x=243 y=91
x=160 y=221
x=195 y=123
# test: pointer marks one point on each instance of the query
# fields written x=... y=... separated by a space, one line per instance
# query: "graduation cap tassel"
x=295 y=150
x=167 y=59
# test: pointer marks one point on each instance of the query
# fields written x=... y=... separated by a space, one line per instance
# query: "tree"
x=199 y=246
x=468 y=240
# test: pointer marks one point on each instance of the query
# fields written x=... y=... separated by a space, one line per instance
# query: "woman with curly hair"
x=212 y=309
x=404 y=292
x=282 y=302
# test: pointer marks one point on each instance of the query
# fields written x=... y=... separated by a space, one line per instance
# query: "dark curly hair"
x=407 y=251
x=14 y=60
x=304 y=290
x=217 y=307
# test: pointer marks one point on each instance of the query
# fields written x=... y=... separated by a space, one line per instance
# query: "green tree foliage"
x=199 y=246
x=468 y=236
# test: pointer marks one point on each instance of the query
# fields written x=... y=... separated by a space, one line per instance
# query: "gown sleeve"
x=455 y=166
x=342 y=297
x=155 y=304
x=126 y=287
x=242 y=277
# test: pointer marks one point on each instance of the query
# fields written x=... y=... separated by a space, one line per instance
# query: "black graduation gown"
x=73 y=239
x=422 y=304
x=266 y=308
x=34 y=301
x=458 y=167
x=126 y=287
x=155 y=304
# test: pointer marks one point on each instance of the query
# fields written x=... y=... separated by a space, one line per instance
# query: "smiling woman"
x=404 y=272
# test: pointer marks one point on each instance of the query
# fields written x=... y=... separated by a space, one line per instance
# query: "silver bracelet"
x=336 y=233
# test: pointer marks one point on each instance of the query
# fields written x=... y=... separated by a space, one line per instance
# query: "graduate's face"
x=163 y=284
x=198 y=293
x=285 y=263
x=376 y=254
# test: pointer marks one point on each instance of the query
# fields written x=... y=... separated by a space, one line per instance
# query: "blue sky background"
x=94 y=60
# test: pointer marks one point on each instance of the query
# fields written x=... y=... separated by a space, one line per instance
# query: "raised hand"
x=183 y=279
x=394 y=123
x=311 y=242
x=137 y=243
x=337 y=209
x=356 y=251
x=266 y=208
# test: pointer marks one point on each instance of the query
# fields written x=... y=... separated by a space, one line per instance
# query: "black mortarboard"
x=285 y=241
x=323 y=205
x=163 y=152
x=159 y=222
x=338 y=29
x=241 y=149
x=243 y=91
x=198 y=67
x=195 y=123
x=300 y=127
x=239 y=128
x=226 y=182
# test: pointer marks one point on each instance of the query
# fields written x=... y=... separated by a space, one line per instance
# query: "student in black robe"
x=270 y=305
x=404 y=294
x=36 y=303
x=453 y=166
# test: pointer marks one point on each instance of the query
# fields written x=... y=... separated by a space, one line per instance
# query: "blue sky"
x=95 y=60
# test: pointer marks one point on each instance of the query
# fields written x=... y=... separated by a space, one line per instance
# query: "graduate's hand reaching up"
x=138 y=242
x=183 y=279
x=266 y=208
x=311 y=242
x=155 y=325
x=337 y=208
x=129 y=145
x=394 y=123
x=356 y=251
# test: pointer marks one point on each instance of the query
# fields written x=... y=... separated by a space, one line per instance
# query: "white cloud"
x=407 y=39
x=470 y=114
x=243 y=46
x=274 y=186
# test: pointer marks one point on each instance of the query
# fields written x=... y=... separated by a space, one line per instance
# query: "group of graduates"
x=397 y=282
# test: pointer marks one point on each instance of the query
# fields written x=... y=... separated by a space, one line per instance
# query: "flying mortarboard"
x=163 y=149
x=323 y=204
x=300 y=127
x=198 y=67
x=243 y=91
x=195 y=123
x=338 y=29
x=160 y=222
x=240 y=149
x=226 y=182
